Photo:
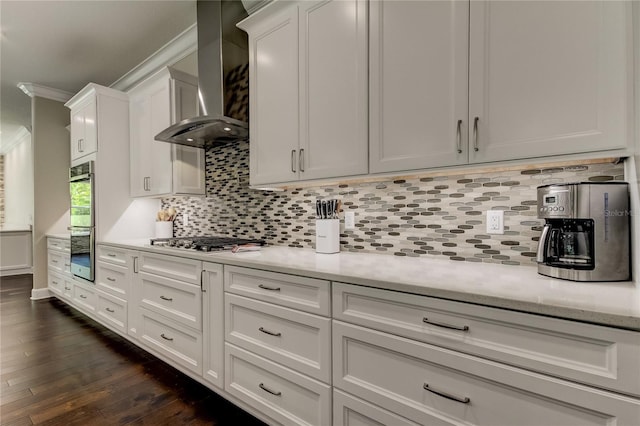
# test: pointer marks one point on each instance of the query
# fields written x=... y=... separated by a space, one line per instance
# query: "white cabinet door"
x=161 y=168
x=84 y=130
x=549 y=78
x=149 y=114
x=333 y=88
x=418 y=72
x=213 y=324
x=273 y=85
x=188 y=162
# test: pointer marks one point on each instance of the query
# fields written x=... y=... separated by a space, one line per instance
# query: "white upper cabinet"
x=548 y=78
x=467 y=82
x=418 y=80
x=161 y=168
x=308 y=86
x=84 y=129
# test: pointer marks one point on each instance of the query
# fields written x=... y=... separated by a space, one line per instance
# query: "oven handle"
x=86 y=176
x=540 y=255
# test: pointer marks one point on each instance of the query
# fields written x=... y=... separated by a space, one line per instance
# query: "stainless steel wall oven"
x=81 y=190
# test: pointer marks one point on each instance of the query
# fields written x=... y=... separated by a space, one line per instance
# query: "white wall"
x=18 y=183
x=51 y=155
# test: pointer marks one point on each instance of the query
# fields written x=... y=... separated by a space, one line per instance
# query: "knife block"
x=327 y=236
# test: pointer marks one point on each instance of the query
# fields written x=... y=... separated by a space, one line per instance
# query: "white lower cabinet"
x=351 y=411
x=84 y=297
x=426 y=383
x=278 y=344
x=112 y=311
x=287 y=396
x=213 y=324
x=171 y=340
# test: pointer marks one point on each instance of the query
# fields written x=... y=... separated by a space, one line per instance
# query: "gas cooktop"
x=204 y=243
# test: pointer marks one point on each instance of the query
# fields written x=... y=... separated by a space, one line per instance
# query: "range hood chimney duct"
x=222 y=79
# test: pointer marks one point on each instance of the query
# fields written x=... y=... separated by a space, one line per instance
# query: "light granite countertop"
x=518 y=288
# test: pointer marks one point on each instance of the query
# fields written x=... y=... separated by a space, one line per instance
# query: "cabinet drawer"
x=84 y=297
x=351 y=411
x=307 y=294
x=177 y=300
x=55 y=283
x=112 y=311
x=112 y=255
x=67 y=289
x=420 y=381
x=282 y=394
x=178 y=268
x=596 y=355
x=171 y=340
x=59 y=261
x=59 y=244
x=112 y=279
x=299 y=340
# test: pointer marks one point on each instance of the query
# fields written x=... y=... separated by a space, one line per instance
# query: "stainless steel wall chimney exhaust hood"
x=223 y=59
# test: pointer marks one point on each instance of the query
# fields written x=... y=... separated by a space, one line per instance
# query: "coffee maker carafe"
x=586 y=232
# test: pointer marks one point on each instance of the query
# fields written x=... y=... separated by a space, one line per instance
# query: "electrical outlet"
x=185 y=219
x=349 y=220
x=495 y=222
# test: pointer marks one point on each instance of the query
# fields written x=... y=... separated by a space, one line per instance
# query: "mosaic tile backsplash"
x=431 y=216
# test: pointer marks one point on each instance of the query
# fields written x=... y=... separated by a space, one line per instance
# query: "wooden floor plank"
x=60 y=368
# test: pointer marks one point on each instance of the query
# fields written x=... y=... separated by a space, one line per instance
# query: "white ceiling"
x=67 y=44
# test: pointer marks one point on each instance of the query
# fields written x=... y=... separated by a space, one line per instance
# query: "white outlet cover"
x=349 y=220
x=495 y=221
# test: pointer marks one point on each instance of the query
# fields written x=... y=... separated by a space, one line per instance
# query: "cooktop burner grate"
x=204 y=243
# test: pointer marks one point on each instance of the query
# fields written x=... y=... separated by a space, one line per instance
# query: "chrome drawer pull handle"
x=266 y=389
x=82 y=296
x=54 y=282
x=301 y=160
x=459 y=137
x=166 y=338
x=475 y=134
x=463 y=400
x=111 y=279
x=54 y=261
x=264 y=287
x=293 y=159
x=166 y=298
x=67 y=288
x=67 y=264
x=109 y=310
x=443 y=325
x=271 y=333
x=111 y=255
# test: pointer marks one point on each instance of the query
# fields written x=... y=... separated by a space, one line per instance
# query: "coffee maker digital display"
x=582 y=240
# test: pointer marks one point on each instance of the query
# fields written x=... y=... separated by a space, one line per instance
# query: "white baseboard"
x=18 y=271
x=40 y=293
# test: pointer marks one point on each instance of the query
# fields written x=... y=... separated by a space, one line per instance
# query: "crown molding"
x=14 y=141
x=180 y=47
x=33 y=89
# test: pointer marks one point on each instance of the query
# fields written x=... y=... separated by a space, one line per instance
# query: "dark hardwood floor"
x=58 y=367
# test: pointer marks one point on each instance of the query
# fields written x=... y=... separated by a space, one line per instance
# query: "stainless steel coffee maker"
x=586 y=234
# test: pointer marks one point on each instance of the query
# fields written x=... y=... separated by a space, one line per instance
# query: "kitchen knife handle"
x=293 y=160
x=301 y=160
x=459 y=136
x=475 y=134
